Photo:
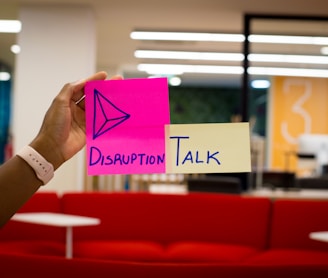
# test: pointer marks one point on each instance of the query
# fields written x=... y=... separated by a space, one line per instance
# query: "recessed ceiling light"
x=324 y=50
x=15 y=48
x=4 y=76
x=175 y=81
x=260 y=84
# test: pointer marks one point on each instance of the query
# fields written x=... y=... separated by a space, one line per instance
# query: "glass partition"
x=289 y=52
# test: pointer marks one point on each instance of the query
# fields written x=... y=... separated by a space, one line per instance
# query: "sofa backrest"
x=294 y=220
x=167 y=218
x=39 y=202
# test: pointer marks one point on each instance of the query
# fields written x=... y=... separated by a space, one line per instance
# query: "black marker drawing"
x=106 y=115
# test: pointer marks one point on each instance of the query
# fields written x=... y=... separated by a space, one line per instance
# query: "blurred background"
x=281 y=88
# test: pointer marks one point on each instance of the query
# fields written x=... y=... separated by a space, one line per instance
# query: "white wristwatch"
x=43 y=169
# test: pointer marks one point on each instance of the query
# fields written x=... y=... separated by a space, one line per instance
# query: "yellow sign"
x=297 y=106
x=207 y=148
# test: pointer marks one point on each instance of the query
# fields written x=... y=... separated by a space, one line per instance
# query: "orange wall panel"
x=297 y=105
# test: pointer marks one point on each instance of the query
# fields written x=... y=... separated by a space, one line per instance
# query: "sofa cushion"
x=138 y=251
x=196 y=252
x=146 y=251
x=33 y=247
x=294 y=220
x=165 y=219
x=290 y=257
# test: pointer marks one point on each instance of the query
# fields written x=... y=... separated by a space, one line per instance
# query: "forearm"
x=61 y=136
x=18 y=183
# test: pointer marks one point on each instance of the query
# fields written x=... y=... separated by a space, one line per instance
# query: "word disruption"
x=96 y=157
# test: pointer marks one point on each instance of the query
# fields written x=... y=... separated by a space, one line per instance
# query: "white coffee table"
x=321 y=236
x=67 y=221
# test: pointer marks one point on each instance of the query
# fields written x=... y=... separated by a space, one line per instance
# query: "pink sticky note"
x=125 y=125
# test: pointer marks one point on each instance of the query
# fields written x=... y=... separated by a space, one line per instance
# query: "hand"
x=62 y=133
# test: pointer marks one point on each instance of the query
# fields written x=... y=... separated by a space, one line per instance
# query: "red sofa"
x=23 y=238
x=175 y=234
x=54 y=267
x=169 y=228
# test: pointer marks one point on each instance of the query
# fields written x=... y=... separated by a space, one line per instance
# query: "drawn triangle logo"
x=107 y=115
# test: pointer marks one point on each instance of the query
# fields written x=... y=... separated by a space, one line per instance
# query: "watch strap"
x=43 y=169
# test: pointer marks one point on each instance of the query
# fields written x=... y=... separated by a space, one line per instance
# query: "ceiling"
x=116 y=19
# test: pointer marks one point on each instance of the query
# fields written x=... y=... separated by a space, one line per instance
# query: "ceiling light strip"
x=281 y=39
x=209 y=69
x=188 y=55
x=10 y=26
x=180 y=69
x=299 y=72
x=286 y=58
x=233 y=57
x=222 y=37
x=186 y=36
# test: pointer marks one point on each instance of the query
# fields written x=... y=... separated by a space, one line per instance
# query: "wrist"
x=43 y=169
x=50 y=151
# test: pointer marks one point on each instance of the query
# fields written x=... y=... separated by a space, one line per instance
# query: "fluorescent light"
x=161 y=69
x=4 y=76
x=301 y=72
x=288 y=39
x=222 y=37
x=260 y=84
x=186 y=36
x=284 y=58
x=180 y=69
x=189 y=55
x=234 y=57
x=10 y=26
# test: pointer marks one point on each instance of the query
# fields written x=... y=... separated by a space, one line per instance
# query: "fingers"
x=98 y=76
x=78 y=88
x=79 y=85
x=116 y=77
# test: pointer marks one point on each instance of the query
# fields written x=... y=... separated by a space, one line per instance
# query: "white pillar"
x=58 y=45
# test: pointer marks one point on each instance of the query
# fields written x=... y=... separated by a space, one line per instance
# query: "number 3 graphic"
x=297 y=108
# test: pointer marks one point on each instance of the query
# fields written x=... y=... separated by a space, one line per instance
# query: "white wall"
x=58 y=46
